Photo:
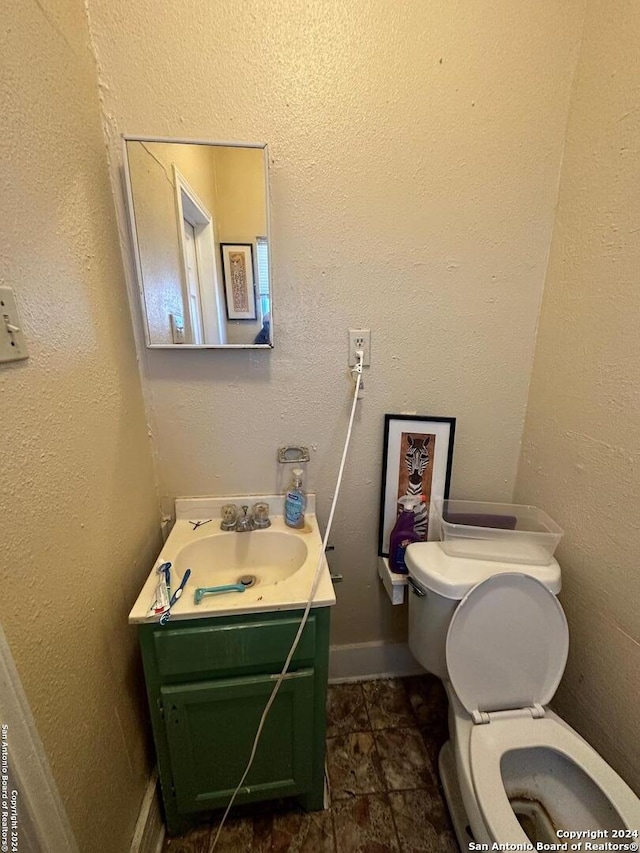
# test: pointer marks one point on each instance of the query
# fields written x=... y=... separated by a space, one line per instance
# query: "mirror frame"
x=126 y=137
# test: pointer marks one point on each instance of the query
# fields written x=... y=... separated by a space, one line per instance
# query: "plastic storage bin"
x=506 y=533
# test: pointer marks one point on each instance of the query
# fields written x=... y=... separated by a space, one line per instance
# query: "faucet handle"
x=229 y=513
x=261 y=518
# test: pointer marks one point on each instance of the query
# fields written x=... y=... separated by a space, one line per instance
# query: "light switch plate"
x=177 y=329
x=13 y=344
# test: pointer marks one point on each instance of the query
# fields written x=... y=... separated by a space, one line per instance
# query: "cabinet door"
x=211 y=726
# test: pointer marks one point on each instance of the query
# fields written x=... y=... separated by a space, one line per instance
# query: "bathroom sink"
x=275 y=568
x=265 y=556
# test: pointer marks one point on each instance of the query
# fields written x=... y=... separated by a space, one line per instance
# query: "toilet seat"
x=507 y=645
x=490 y=742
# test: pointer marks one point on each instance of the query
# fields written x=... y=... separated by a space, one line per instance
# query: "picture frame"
x=417 y=459
x=239 y=280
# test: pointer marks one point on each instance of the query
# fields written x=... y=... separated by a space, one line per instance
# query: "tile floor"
x=383 y=739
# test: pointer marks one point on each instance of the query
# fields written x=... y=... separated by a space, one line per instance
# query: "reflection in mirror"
x=199 y=218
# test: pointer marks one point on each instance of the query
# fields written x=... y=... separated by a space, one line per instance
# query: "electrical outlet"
x=359 y=339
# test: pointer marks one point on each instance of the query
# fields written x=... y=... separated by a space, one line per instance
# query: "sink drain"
x=247 y=580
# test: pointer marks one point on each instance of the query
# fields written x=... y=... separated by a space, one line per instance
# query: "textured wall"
x=580 y=456
x=241 y=206
x=240 y=194
x=78 y=506
x=415 y=151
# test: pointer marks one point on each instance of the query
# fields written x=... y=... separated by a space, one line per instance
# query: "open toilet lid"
x=507 y=644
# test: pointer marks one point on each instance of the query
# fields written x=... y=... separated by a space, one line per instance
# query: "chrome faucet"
x=245 y=522
x=258 y=519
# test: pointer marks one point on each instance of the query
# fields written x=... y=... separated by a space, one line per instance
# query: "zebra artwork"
x=417 y=459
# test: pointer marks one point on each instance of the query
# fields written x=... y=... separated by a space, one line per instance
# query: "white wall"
x=581 y=457
x=415 y=152
x=242 y=215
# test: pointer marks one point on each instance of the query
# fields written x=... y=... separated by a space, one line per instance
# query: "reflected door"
x=193 y=282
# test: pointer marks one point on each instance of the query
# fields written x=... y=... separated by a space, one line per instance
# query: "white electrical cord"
x=316 y=578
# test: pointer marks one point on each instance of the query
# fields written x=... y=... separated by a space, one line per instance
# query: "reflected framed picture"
x=417 y=461
x=239 y=285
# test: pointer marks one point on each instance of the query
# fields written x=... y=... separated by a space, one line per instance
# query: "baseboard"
x=149 y=834
x=365 y=661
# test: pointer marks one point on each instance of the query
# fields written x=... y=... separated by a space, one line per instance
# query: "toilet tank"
x=429 y=618
x=438 y=583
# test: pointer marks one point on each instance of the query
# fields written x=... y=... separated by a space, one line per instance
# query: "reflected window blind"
x=262 y=252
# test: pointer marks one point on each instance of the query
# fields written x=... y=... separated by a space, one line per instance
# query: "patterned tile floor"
x=383 y=739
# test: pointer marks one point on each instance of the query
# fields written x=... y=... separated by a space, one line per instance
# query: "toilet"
x=513 y=771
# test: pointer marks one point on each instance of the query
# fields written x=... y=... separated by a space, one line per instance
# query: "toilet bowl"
x=513 y=771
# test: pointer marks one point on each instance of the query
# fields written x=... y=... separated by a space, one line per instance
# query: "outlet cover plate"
x=359 y=339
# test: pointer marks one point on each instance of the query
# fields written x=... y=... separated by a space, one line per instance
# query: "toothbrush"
x=164 y=618
x=176 y=595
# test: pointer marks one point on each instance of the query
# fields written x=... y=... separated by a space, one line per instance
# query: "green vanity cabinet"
x=208 y=681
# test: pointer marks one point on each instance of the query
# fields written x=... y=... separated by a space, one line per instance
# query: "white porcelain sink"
x=279 y=562
x=268 y=556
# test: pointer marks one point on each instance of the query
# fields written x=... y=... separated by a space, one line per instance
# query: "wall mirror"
x=199 y=217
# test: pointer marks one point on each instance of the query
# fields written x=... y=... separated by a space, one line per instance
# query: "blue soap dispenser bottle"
x=295 y=501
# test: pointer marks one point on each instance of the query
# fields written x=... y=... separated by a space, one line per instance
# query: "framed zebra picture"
x=417 y=460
